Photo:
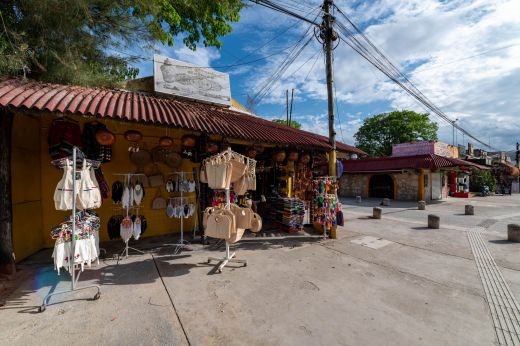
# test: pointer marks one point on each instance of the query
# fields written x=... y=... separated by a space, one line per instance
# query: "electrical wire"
x=364 y=47
x=279 y=72
x=278 y=8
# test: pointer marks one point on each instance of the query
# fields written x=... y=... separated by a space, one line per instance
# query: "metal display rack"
x=182 y=243
x=124 y=252
x=229 y=257
x=72 y=265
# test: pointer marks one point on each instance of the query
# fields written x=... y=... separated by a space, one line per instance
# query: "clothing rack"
x=72 y=265
x=182 y=243
x=229 y=257
x=328 y=197
x=125 y=250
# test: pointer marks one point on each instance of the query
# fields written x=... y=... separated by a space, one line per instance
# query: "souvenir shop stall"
x=285 y=195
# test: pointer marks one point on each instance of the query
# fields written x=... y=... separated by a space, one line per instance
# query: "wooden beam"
x=7 y=264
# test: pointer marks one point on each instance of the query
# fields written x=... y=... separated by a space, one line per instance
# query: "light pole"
x=453 y=124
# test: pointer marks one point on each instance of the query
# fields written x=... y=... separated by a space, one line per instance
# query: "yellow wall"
x=35 y=179
x=28 y=233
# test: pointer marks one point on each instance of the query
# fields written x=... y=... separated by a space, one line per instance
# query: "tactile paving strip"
x=503 y=306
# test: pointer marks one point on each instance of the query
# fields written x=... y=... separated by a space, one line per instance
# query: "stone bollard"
x=358 y=199
x=469 y=210
x=513 y=232
x=434 y=221
x=386 y=202
x=377 y=212
x=421 y=205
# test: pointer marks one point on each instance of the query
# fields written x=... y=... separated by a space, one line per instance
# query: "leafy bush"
x=479 y=179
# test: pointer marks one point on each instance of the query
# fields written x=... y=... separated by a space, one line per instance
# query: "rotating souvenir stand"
x=72 y=266
x=229 y=256
x=182 y=243
x=325 y=200
x=125 y=250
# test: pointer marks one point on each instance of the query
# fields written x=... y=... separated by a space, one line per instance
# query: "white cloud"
x=464 y=55
x=201 y=57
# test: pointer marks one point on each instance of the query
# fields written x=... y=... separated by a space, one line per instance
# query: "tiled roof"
x=140 y=107
x=426 y=161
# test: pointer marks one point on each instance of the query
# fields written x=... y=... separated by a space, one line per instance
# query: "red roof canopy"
x=425 y=161
x=141 y=107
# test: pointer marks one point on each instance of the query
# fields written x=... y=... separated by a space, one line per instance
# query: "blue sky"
x=463 y=55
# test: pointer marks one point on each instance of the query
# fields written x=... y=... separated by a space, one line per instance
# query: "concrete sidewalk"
x=416 y=287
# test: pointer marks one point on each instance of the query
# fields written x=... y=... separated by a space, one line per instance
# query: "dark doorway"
x=382 y=186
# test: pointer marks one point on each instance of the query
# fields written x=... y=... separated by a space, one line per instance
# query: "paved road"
x=417 y=287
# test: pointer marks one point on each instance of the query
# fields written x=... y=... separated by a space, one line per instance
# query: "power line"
x=374 y=56
x=278 y=8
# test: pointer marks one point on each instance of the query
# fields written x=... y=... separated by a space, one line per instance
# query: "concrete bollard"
x=469 y=210
x=358 y=199
x=513 y=232
x=434 y=221
x=377 y=212
x=421 y=205
x=386 y=202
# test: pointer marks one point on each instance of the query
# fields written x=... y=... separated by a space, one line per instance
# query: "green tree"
x=480 y=178
x=378 y=133
x=82 y=41
x=294 y=123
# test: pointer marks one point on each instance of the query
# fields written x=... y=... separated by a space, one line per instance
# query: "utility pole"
x=328 y=37
x=290 y=112
x=287 y=106
x=453 y=124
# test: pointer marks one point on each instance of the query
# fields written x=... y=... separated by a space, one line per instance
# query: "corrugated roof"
x=426 y=161
x=139 y=107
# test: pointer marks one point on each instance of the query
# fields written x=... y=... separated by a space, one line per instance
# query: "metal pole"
x=328 y=38
x=287 y=106
x=73 y=240
x=290 y=112
x=453 y=139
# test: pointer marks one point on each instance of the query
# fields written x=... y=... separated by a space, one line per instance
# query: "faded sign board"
x=413 y=148
x=425 y=147
x=178 y=78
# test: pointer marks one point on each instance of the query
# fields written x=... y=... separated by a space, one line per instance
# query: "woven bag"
x=243 y=216
x=159 y=202
x=219 y=225
x=156 y=179
x=238 y=169
x=256 y=223
x=240 y=186
x=218 y=174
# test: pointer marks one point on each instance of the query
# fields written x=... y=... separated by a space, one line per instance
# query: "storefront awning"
x=145 y=108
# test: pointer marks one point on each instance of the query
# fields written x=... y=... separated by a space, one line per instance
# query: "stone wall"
x=407 y=186
x=352 y=185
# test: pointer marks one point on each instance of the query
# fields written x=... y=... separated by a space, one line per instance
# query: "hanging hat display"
x=141 y=158
x=134 y=137
x=105 y=137
x=172 y=159
x=189 y=141
x=188 y=147
x=293 y=155
x=166 y=142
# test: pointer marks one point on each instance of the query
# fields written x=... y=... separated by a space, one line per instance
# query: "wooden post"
x=7 y=265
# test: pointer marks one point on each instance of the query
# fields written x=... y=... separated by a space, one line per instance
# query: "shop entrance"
x=381 y=186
